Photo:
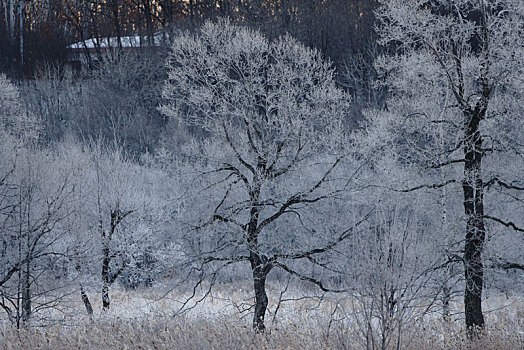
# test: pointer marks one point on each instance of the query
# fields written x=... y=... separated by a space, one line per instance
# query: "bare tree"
x=392 y=265
x=15 y=119
x=269 y=115
x=457 y=64
x=36 y=206
x=114 y=204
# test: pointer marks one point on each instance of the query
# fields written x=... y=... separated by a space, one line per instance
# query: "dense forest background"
x=36 y=39
x=345 y=173
x=44 y=29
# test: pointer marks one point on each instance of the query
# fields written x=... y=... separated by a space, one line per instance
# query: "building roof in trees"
x=126 y=42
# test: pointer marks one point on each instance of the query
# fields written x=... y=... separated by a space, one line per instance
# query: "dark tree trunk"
x=105 y=297
x=26 y=293
x=85 y=299
x=106 y=279
x=446 y=298
x=260 y=269
x=149 y=23
x=83 y=294
x=116 y=21
x=475 y=230
x=260 y=266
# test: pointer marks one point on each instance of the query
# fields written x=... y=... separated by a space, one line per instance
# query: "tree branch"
x=227 y=259
x=496 y=180
x=298 y=198
x=327 y=247
x=307 y=278
x=237 y=153
x=432 y=186
x=440 y=165
x=505 y=265
x=505 y=223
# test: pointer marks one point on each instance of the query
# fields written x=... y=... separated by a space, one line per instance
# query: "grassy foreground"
x=135 y=322
x=224 y=335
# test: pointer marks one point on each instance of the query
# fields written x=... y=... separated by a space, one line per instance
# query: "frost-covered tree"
x=32 y=207
x=15 y=120
x=113 y=208
x=37 y=204
x=454 y=114
x=37 y=227
x=267 y=168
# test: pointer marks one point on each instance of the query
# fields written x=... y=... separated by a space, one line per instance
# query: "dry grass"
x=136 y=322
x=204 y=334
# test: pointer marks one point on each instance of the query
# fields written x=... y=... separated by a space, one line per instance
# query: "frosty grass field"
x=144 y=320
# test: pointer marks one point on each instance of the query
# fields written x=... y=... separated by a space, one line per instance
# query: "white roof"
x=127 y=41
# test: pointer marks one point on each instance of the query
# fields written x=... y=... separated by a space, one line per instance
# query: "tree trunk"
x=12 y=20
x=85 y=299
x=446 y=298
x=260 y=270
x=83 y=294
x=26 y=292
x=106 y=279
x=260 y=266
x=105 y=296
x=475 y=230
x=116 y=22
x=21 y=36
x=26 y=284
